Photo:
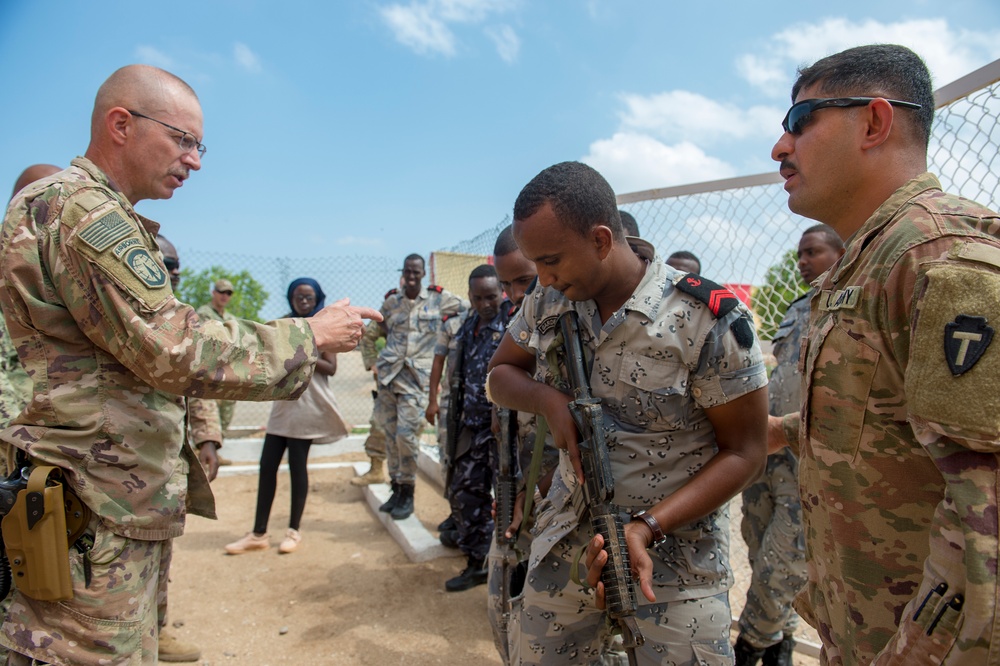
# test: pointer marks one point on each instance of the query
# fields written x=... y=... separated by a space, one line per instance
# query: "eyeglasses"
x=186 y=140
x=304 y=298
x=171 y=264
x=800 y=113
x=227 y=293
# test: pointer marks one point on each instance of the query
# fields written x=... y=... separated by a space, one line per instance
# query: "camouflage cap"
x=223 y=285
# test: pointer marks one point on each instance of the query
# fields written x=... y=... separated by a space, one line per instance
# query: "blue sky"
x=378 y=127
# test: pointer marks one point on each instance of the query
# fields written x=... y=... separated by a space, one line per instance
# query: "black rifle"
x=456 y=400
x=512 y=572
x=599 y=488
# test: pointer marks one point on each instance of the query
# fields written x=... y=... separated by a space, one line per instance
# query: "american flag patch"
x=104 y=231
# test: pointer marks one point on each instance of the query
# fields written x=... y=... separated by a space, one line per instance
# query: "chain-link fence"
x=740 y=229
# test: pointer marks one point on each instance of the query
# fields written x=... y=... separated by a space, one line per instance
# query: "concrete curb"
x=411 y=535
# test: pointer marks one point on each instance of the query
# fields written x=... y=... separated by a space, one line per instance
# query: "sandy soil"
x=348 y=595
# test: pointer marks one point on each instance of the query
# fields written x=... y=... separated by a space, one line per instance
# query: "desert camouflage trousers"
x=375 y=441
x=226 y=410
x=772 y=529
x=560 y=625
x=113 y=620
x=402 y=418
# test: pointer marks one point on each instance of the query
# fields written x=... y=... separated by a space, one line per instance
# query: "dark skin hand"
x=209 y=458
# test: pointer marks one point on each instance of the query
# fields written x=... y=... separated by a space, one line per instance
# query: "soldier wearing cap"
x=110 y=351
x=222 y=291
x=899 y=426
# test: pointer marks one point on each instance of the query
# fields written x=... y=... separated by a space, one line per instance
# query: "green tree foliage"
x=782 y=285
x=248 y=296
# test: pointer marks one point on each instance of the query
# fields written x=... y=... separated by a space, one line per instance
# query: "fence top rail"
x=971 y=82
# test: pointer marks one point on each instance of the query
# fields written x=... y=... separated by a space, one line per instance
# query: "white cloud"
x=246 y=58
x=507 y=42
x=950 y=53
x=632 y=162
x=152 y=56
x=425 y=25
x=679 y=114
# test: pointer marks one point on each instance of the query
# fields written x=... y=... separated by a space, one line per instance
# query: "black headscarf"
x=320 y=296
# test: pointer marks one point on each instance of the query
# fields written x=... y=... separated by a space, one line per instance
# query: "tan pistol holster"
x=36 y=539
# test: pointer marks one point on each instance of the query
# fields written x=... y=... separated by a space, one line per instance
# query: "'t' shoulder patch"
x=104 y=231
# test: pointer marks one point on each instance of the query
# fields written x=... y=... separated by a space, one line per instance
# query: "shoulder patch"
x=142 y=264
x=720 y=301
x=105 y=230
x=434 y=287
x=391 y=292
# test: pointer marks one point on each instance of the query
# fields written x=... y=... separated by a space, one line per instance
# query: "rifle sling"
x=541 y=432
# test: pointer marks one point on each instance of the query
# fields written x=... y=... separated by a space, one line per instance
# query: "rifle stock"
x=599 y=488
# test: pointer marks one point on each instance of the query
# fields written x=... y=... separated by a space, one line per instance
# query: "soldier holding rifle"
x=674 y=365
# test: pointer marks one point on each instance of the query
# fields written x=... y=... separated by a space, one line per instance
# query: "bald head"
x=33 y=173
x=144 y=88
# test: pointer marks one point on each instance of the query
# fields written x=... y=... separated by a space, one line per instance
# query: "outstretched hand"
x=339 y=327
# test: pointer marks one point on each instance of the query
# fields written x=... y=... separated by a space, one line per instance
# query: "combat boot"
x=172 y=649
x=404 y=506
x=390 y=504
x=449 y=538
x=373 y=475
x=447 y=524
x=746 y=654
x=472 y=575
x=780 y=654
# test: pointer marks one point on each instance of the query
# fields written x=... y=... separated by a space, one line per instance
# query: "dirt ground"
x=348 y=595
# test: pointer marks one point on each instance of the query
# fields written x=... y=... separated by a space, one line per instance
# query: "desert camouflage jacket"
x=900 y=431
x=110 y=351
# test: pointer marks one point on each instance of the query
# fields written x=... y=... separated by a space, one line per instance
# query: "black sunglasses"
x=171 y=264
x=799 y=115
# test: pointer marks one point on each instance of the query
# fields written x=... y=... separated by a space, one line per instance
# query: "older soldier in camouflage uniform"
x=680 y=385
x=899 y=431
x=222 y=291
x=110 y=350
x=375 y=442
x=772 y=511
x=411 y=319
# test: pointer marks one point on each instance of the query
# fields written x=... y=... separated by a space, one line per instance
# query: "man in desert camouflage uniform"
x=681 y=390
x=772 y=511
x=110 y=350
x=375 y=442
x=215 y=309
x=899 y=430
x=411 y=319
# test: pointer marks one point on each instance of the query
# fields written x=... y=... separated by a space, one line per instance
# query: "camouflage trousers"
x=503 y=610
x=402 y=417
x=470 y=492
x=226 y=410
x=560 y=625
x=113 y=620
x=772 y=529
x=375 y=441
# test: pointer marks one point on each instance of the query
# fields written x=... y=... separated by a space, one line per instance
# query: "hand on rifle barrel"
x=636 y=536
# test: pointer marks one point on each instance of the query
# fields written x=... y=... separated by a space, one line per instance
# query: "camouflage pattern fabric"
x=471 y=500
x=647 y=401
x=375 y=442
x=404 y=367
x=110 y=350
x=203 y=422
x=479 y=347
x=899 y=437
x=446 y=344
x=226 y=408
x=15 y=385
x=772 y=509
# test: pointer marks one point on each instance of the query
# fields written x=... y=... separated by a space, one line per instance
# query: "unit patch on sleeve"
x=105 y=231
x=965 y=340
x=145 y=267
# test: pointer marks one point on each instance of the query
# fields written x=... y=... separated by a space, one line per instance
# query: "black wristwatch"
x=658 y=535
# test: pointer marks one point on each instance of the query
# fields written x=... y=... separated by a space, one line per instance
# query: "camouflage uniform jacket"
x=203 y=422
x=659 y=362
x=15 y=385
x=369 y=352
x=411 y=331
x=207 y=312
x=900 y=435
x=477 y=348
x=784 y=391
x=110 y=352
x=446 y=345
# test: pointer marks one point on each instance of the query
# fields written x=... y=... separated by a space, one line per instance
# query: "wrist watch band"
x=658 y=535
